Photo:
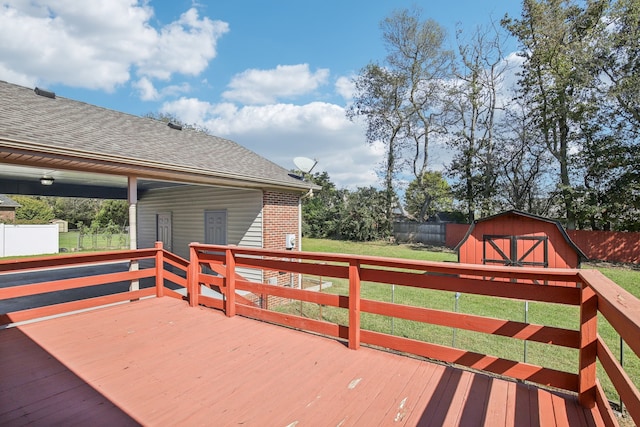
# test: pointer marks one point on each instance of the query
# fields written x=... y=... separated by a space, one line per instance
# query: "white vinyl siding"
x=188 y=204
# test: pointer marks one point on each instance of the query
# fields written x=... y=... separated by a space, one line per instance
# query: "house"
x=516 y=238
x=8 y=209
x=182 y=185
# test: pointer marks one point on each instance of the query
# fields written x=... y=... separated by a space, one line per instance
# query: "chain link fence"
x=95 y=240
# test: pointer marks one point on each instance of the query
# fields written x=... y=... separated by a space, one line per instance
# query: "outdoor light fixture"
x=46 y=180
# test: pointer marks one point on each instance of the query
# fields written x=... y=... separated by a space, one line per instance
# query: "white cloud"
x=281 y=132
x=267 y=86
x=185 y=46
x=146 y=89
x=96 y=44
x=189 y=110
x=9 y=75
x=512 y=64
x=148 y=92
x=345 y=88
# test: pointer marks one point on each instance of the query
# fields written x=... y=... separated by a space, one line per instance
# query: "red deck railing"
x=596 y=296
x=162 y=266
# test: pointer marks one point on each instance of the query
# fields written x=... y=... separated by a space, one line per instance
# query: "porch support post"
x=230 y=302
x=132 y=196
x=354 y=304
x=588 y=346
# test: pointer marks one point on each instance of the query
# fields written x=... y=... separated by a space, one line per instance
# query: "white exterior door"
x=215 y=223
x=163 y=230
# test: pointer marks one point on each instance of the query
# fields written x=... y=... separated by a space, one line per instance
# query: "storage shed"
x=515 y=238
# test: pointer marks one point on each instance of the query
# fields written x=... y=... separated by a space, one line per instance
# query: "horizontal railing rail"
x=60 y=261
x=588 y=290
x=167 y=269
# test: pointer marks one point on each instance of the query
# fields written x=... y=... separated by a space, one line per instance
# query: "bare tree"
x=475 y=102
x=524 y=163
x=401 y=100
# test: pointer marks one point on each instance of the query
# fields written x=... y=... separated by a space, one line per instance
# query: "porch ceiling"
x=20 y=179
x=20 y=173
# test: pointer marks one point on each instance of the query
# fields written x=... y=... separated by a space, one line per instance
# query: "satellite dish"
x=305 y=164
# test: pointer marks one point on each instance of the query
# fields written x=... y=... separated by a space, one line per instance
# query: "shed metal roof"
x=62 y=133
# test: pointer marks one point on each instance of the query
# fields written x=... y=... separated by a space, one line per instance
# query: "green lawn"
x=539 y=313
x=73 y=241
x=378 y=249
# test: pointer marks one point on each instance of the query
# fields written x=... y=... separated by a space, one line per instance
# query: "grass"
x=550 y=356
x=379 y=249
x=72 y=241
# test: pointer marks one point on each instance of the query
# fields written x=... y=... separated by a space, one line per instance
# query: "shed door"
x=163 y=230
x=215 y=223
x=516 y=251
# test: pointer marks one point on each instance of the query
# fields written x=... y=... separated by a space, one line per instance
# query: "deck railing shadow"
x=35 y=404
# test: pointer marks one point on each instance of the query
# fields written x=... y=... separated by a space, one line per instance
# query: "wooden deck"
x=160 y=362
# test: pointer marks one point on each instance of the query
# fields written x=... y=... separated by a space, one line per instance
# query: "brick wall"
x=8 y=215
x=280 y=217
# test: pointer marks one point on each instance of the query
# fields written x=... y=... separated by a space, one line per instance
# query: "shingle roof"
x=7 y=202
x=93 y=132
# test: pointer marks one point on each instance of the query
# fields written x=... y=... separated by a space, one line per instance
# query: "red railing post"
x=230 y=302
x=193 y=287
x=588 y=346
x=159 y=270
x=354 y=304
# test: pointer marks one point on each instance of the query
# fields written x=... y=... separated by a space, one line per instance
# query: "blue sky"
x=273 y=76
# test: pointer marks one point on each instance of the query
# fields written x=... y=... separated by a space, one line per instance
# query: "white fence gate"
x=27 y=239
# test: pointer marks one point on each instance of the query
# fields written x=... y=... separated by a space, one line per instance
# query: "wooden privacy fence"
x=595 y=295
x=420 y=232
x=613 y=246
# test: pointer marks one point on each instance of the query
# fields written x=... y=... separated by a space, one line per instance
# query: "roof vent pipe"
x=174 y=126
x=45 y=93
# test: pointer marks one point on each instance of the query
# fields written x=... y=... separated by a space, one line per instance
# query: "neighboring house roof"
x=64 y=133
x=7 y=202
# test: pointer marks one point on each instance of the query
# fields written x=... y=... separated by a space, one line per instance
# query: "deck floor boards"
x=160 y=362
